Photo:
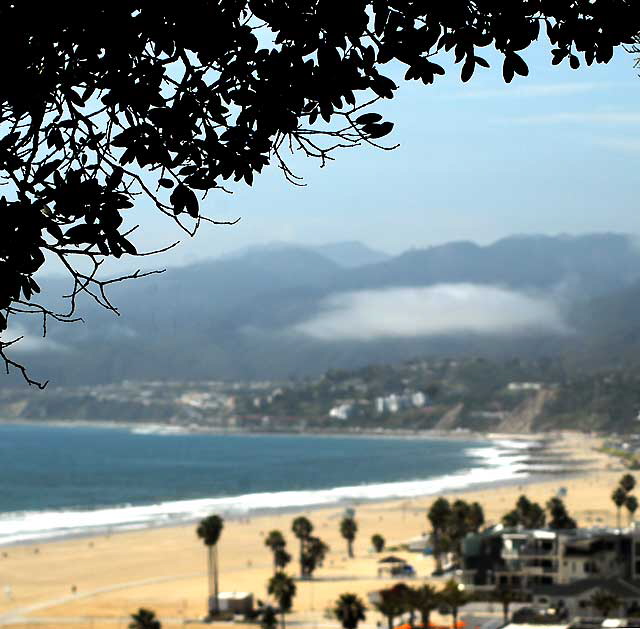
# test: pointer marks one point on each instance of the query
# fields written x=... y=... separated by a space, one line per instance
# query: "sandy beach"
x=165 y=569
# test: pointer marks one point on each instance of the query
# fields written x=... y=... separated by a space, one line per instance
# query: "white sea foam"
x=500 y=462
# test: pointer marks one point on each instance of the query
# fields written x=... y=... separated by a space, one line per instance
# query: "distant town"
x=474 y=395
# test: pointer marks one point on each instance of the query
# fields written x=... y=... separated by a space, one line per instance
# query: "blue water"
x=112 y=477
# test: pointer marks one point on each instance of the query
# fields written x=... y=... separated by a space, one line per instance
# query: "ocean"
x=62 y=481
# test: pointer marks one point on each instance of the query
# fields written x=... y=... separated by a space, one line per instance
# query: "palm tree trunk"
x=301 y=553
x=350 y=548
x=426 y=613
x=210 y=567
x=215 y=578
x=390 y=621
x=618 y=517
x=436 y=550
x=454 y=615
x=282 y=617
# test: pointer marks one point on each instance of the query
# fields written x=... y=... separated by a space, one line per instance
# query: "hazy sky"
x=557 y=151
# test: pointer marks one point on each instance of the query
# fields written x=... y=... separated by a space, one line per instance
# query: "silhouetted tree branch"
x=104 y=105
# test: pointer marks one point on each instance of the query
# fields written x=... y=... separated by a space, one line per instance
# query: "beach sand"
x=165 y=569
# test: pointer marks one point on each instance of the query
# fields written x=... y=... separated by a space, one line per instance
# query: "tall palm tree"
x=605 y=602
x=453 y=597
x=439 y=515
x=628 y=482
x=348 y=530
x=282 y=587
x=378 y=542
x=619 y=497
x=426 y=599
x=302 y=529
x=209 y=531
x=631 y=503
x=144 y=619
x=349 y=610
x=276 y=542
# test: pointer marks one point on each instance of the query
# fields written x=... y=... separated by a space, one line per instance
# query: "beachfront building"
x=526 y=559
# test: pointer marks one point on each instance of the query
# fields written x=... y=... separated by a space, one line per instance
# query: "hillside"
x=278 y=311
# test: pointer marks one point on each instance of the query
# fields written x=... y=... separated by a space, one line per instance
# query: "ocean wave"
x=497 y=463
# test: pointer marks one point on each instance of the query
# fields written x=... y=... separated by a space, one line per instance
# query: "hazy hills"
x=281 y=310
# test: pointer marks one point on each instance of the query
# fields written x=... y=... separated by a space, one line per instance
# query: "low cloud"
x=432 y=311
x=30 y=343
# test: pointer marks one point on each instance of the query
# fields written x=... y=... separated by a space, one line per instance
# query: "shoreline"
x=94 y=581
x=523 y=464
x=168 y=429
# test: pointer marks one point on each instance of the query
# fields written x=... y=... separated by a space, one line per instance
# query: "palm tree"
x=283 y=589
x=378 y=542
x=439 y=515
x=476 y=516
x=268 y=618
x=426 y=599
x=454 y=597
x=505 y=596
x=209 y=531
x=302 y=529
x=144 y=619
x=313 y=555
x=348 y=530
x=390 y=605
x=276 y=542
x=349 y=610
x=619 y=497
x=280 y=559
x=631 y=503
x=628 y=482
x=605 y=602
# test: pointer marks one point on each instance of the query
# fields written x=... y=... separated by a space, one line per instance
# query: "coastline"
x=164 y=568
x=527 y=463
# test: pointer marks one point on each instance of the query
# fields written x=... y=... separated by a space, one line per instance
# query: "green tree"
x=283 y=589
x=144 y=619
x=313 y=555
x=453 y=597
x=209 y=531
x=560 y=518
x=619 y=496
x=281 y=559
x=527 y=514
x=439 y=515
x=605 y=602
x=378 y=542
x=426 y=599
x=276 y=542
x=349 y=610
x=628 y=482
x=302 y=529
x=157 y=121
x=268 y=618
x=476 y=517
x=631 y=503
x=392 y=604
x=348 y=530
